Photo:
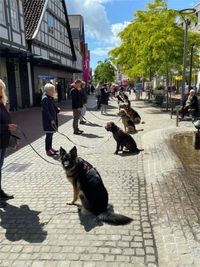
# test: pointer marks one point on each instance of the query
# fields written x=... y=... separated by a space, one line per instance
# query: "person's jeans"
x=48 y=141
x=76 y=116
x=2 y=156
x=83 y=111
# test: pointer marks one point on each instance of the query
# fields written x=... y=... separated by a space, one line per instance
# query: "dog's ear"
x=73 y=152
x=62 y=151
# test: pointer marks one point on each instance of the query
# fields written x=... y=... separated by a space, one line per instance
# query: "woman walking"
x=5 y=130
x=49 y=117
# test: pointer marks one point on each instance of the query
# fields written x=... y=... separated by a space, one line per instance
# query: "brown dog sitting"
x=123 y=139
x=129 y=125
x=133 y=114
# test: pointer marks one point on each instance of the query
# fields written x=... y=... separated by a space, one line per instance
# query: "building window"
x=2 y=12
x=62 y=33
x=14 y=14
x=51 y=24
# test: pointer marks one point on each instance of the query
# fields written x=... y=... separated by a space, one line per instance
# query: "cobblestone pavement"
x=39 y=229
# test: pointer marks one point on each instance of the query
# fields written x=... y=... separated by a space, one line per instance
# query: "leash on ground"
x=99 y=117
x=69 y=139
x=26 y=138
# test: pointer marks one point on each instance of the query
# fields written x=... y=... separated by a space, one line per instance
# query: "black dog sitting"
x=123 y=139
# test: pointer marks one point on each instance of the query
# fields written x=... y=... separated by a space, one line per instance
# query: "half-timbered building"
x=53 y=56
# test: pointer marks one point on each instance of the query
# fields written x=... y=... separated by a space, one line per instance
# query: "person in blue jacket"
x=49 y=117
x=5 y=131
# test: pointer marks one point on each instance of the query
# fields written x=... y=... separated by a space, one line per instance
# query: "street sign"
x=138 y=87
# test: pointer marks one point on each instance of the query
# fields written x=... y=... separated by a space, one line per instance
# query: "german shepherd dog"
x=133 y=114
x=89 y=187
x=123 y=139
x=129 y=125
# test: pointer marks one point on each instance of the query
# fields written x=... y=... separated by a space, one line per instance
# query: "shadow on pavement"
x=91 y=135
x=22 y=224
x=88 y=220
x=93 y=125
x=30 y=121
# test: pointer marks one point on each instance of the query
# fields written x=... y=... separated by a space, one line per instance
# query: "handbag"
x=14 y=141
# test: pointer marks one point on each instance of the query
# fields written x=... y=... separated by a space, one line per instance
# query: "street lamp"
x=191 y=63
x=183 y=12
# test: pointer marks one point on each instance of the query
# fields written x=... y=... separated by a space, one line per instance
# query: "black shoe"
x=77 y=132
x=82 y=122
x=4 y=196
x=80 y=131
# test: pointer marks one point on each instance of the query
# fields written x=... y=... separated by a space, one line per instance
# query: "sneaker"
x=4 y=196
x=55 y=151
x=82 y=122
x=50 y=153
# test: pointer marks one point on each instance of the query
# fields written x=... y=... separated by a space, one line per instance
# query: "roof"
x=32 y=14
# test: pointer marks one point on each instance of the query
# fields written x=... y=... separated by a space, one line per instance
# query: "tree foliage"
x=104 y=72
x=153 y=43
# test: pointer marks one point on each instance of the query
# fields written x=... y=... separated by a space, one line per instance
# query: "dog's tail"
x=114 y=218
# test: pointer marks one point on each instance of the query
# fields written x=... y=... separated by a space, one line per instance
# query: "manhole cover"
x=16 y=167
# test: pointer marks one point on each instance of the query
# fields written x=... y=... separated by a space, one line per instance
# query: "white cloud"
x=116 y=29
x=97 y=25
x=101 y=51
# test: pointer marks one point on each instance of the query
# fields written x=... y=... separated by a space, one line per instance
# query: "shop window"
x=14 y=14
x=51 y=24
x=2 y=12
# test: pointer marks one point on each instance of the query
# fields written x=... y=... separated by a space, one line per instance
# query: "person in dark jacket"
x=77 y=104
x=190 y=104
x=5 y=130
x=104 y=96
x=49 y=117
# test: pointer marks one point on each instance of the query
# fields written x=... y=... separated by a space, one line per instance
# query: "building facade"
x=52 y=53
x=13 y=53
x=78 y=36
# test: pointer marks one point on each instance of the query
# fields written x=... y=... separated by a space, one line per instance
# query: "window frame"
x=14 y=15
x=3 y=21
x=50 y=24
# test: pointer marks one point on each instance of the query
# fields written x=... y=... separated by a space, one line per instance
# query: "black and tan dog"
x=129 y=125
x=89 y=187
x=123 y=139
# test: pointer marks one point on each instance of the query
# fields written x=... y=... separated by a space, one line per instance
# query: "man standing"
x=76 y=105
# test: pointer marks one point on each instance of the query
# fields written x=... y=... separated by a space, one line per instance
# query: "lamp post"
x=191 y=63
x=183 y=12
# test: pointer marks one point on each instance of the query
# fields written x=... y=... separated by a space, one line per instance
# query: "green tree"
x=153 y=43
x=104 y=72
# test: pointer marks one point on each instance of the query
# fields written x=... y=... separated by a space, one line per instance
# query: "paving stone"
x=151 y=187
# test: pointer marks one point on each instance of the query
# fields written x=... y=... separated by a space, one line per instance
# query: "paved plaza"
x=155 y=188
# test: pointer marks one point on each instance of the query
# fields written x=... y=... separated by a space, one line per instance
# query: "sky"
x=104 y=19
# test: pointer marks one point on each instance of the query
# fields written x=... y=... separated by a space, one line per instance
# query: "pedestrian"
x=98 y=95
x=76 y=105
x=49 y=117
x=104 y=100
x=190 y=104
x=6 y=127
x=92 y=89
x=84 y=97
x=59 y=91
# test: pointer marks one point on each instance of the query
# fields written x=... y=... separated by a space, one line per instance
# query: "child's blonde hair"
x=3 y=97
